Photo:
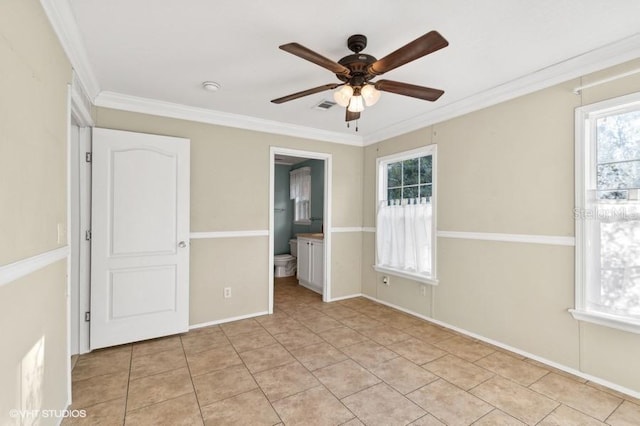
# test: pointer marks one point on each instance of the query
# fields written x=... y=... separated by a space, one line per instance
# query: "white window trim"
x=584 y=153
x=404 y=274
x=307 y=221
x=381 y=174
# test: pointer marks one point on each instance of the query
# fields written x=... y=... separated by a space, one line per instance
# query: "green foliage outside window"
x=410 y=179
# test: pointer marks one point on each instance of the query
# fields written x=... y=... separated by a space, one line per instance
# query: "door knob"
x=182 y=244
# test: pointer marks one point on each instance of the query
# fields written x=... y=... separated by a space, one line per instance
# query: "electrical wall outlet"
x=386 y=281
x=227 y=292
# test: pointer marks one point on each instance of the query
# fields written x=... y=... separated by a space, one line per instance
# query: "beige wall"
x=230 y=192
x=346 y=279
x=34 y=73
x=239 y=263
x=510 y=169
x=33 y=359
x=505 y=169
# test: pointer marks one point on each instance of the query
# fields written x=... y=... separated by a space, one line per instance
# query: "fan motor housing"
x=357 y=42
x=357 y=64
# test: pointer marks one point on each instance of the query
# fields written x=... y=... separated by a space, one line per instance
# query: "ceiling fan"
x=358 y=69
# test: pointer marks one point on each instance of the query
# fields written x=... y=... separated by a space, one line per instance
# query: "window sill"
x=612 y=321
x=408 y=275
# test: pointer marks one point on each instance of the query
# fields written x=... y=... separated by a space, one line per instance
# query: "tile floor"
x=351 y=362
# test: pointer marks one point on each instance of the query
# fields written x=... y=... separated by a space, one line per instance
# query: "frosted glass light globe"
x=343 y=95
x=370 y=94
x=356 y=104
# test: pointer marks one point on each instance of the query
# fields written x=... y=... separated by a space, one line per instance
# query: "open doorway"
x=300 y=219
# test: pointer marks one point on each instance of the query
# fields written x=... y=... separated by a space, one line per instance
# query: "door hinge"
x=87 y=157
x=87 y=316
x=87 y=235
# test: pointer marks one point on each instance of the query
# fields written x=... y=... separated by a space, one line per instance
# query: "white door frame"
x=273 y=151
x=78 y=114
x=78 y=218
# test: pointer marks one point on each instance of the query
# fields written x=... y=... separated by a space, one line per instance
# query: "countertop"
x=317 y=236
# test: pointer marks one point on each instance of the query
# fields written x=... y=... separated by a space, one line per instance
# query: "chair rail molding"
x=510 y=238
x=24 y=267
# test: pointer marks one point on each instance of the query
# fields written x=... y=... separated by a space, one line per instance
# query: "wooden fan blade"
x=428 y=43
x=306 y=93
x=420 y=92
x=316 y=58
x=350 y=116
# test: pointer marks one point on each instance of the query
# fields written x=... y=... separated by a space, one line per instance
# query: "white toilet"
x=286 y=264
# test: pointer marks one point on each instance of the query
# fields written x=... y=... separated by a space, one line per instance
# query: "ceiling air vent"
x=325 y=105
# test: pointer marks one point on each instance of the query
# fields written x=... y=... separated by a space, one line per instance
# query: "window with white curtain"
x=405 y=221
x=300 y=192
x=607 y=213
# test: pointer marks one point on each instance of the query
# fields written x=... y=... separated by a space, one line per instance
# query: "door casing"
x=273 y=151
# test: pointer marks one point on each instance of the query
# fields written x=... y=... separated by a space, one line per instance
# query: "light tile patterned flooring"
x=351 y=362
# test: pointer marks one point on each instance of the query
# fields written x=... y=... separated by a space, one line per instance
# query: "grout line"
x=312 y=372
x=614 y=410
x=369 y=311
x=536 y=381
x=550 y=413
x=186 y=360
x=126 y=398
x=251 y=373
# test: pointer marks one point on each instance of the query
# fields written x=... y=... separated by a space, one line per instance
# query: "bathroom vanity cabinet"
x=311 y=262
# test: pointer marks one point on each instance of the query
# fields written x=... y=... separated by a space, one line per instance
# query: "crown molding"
x=595 y=60
x=80 y=103
x=172 y=110
x=64 y=25
x=63 y=22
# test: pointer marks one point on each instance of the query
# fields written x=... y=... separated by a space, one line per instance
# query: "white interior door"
x=140 y=237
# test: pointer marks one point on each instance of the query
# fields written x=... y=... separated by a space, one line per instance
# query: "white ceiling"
x=164 y=49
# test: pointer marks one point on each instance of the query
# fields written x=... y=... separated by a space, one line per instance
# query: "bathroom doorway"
x=289 y=218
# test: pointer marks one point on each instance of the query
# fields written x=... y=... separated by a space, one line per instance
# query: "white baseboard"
x=550 y=363
x=226 y=320
x=351 y=296
x=310 y=287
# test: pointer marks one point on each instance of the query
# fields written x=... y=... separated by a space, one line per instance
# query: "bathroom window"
x=607 y=213
x=300 y=192
x=405 y=221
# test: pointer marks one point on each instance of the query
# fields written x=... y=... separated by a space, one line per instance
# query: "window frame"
x=381 y=194
x=306 y=170
x=585 y=177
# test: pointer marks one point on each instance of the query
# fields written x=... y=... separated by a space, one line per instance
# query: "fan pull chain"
x=349 y=125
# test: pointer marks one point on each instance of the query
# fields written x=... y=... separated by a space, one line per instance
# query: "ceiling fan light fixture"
x=356 y=71
x=356 y=104
x=343 y=95
x=370 y=94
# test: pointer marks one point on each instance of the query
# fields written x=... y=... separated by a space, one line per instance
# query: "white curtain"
x=403 y=235
x=618 y=290
x=300 y=191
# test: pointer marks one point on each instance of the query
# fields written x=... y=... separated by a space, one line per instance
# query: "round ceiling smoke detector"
x=211 y=86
